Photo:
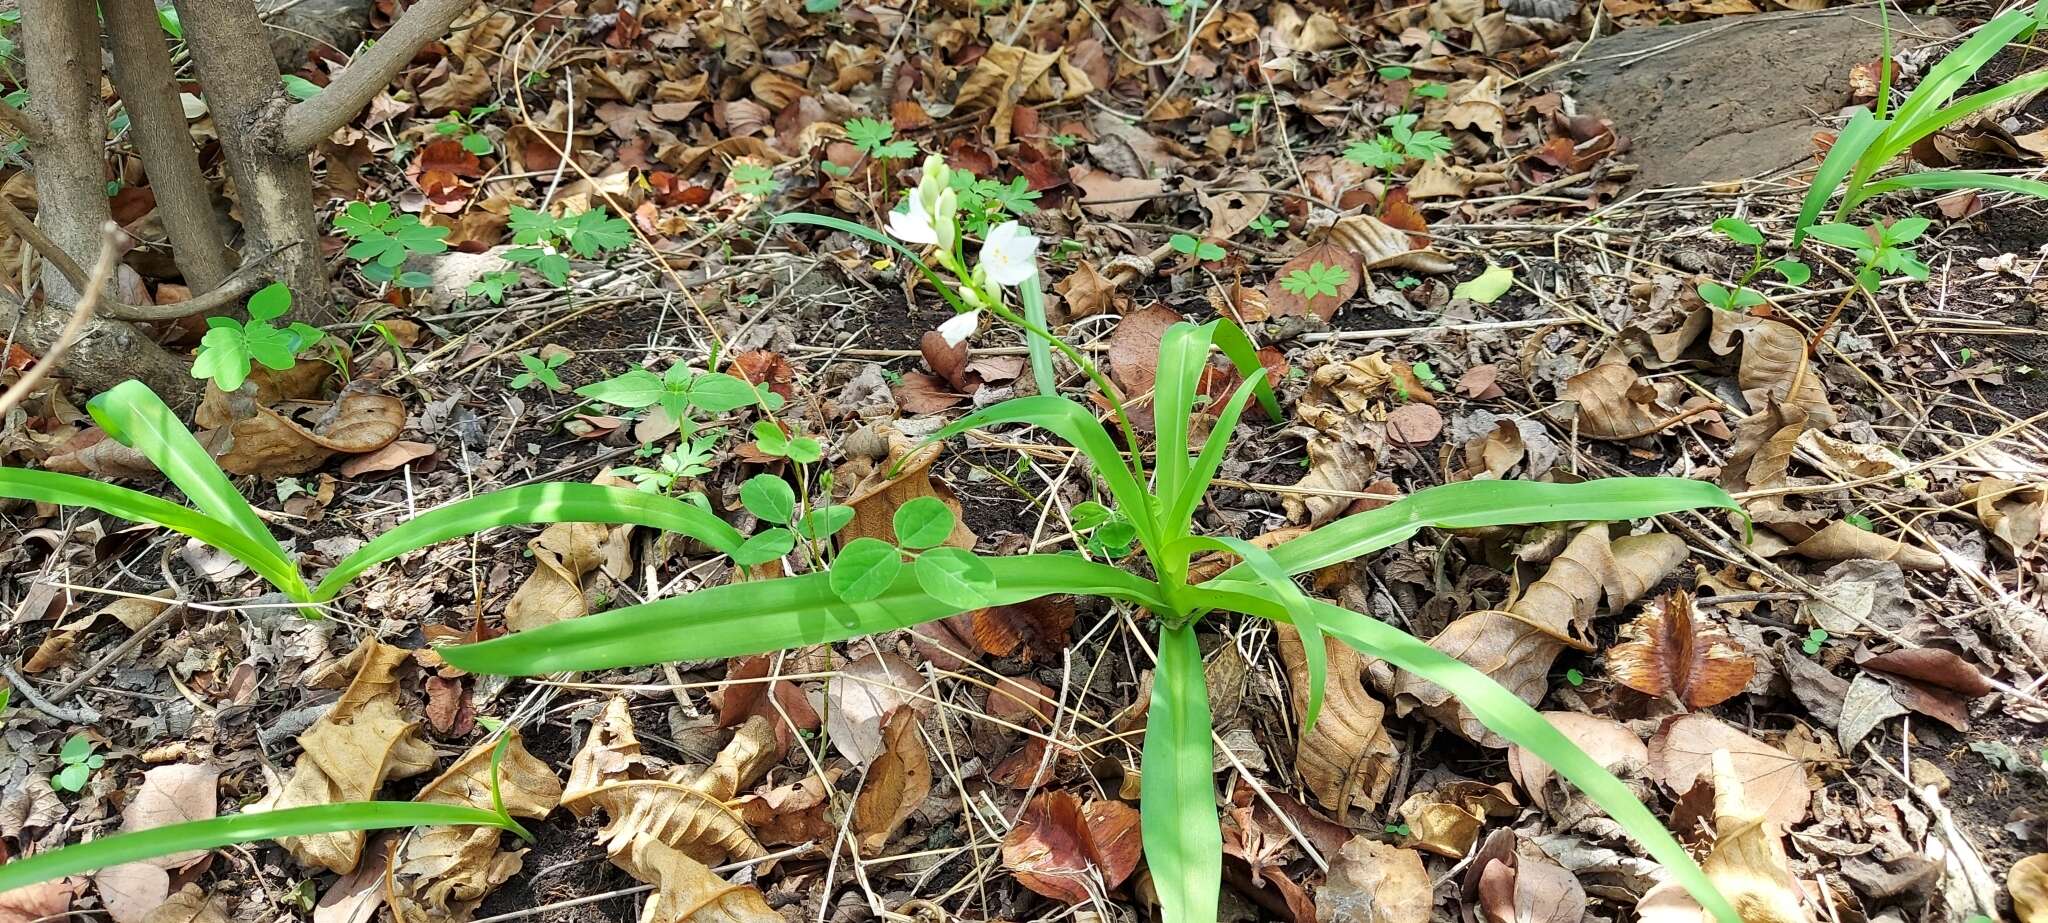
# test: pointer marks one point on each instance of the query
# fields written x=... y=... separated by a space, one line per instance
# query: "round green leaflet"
x=923 y=522
x=864 y=569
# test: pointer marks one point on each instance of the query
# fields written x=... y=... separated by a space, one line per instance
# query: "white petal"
x=956 y=330
x=913 y=226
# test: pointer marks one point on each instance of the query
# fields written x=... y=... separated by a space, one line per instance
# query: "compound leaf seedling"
x=78 y=761
x=230 y=347
x=1316 y=279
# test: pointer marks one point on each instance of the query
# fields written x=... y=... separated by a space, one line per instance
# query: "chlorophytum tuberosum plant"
x=869 y=588
x=1871 y=140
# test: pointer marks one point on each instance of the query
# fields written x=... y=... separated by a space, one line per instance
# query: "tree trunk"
x=60 y=39
x=143 y=75
x=273 y=183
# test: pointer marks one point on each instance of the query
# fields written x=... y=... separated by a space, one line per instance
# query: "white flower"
x=960 y=327
x=913 y=226
x=1009 y=254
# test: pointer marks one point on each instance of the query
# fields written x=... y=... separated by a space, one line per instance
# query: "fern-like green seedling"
x=876 y=138
x=1317 y=279
x=754 y=179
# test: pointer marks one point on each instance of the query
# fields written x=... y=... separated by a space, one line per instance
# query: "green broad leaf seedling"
x=1880 y=249
x=877 y=138
x=1268 y=226
x=875 y=586
x=544 y=241
x=464 y=128
x=681 y=392
x=1872 y=140
x=231 y=348
x=79 y=761
x=1190 y=245
x=382 y=237
x=1398 y=143
x=1316 y=279
x=1742 y=296
x=539 y=372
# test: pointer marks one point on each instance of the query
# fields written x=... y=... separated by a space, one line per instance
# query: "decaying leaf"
x=1843 y=541
x=43 y=901
x=2016 y=513
x=1932 y=681
x=897 y=783
x=1447 y=820
x=1374 y=882
x=875 y=496
x=189 y=905
x=668 y=831
x=362 y=742
x=573 y=565
x=1747 y=862
x=169 y=794
x=1610 y=743
x=1348 y=759
x=1615 y=404
x=1681 y=755
x=1379 y=246
x=1522 y=885
x=2028 y=885
x=1674 y=655
x=1061 y=849
x=861 y=696
x=1516 y=646
x=266 y=443
x=1006 y=75
x=1282 y=301
x=443 y=873
x=1037 y=629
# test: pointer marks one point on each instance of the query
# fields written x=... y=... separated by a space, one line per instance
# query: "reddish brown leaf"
x=921 y=394
x=1134 y=348
x=1058 y=847
x=1931 y=681
x=763 y=366
x=1039 y=627
x=1674 y=656
x=745 y=697
x=1414 y=424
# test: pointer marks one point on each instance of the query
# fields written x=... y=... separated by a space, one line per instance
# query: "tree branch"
x=21 y=123
x=232 y=290
x=81 y=317
x=143 y=75
x=310 y=121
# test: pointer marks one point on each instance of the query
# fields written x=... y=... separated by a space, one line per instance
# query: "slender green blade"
x=1501 y=712
x=534 y=503
x=1177 y=806
x=239 y=828
x=1197 y=480
x=1856 y=137
x=1904 y=135
x=1079 y=428
x=1958 y=179
x=136 y=506
x=134 y=416
x=772 y=615
x=1957 y=67
x=1269 y=572
x=1032 y=295
x=864 y=232
x=1238 y=348
x=1183 y=354
x=1470 y=504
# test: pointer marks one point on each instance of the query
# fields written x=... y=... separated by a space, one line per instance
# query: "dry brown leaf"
x=1230 y=210
x=362 y=742
x=1747 y=862
x=1134 y=353
x=92 y=452
x=40 y=902
x=1414 y=424
x=169 y=794
x=1374 y=882
x=1348 y=759
x=1117 y=198
x=1440 y=180
x=1610 y=743
x=1477 y=107
x=1616 y=404
x=267 y=387
x=443 y=873
x=793 y=813
x=1842 y=541
x=1681 y=755
x=1006 y=75
x=1059 y=848
x=1447 y=820
x=1086 y=292
x=1038 y=628
x=1281 y=302
x=897 y=782
x=1333 y=466
x=1526 y=886
x=1517 y=646
x=1379 y=246
x=1933 y=682
x=861 y=696
x=389 y=458
x=2016 y=513
x=666 y=832
x=573 y=565
x=2028 y=885
x=1672 y=655
x=266 y=443
x=189 y=905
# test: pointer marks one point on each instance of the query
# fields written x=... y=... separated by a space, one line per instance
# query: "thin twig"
x=81 y=317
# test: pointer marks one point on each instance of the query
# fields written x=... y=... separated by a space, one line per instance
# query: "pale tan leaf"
x=1681 y=755
x=1374 y=882
x=2027 y=882
x=189 y=905
x=1348 y=759
x=897 y=782
x=1610 y=743
x=1379 y=246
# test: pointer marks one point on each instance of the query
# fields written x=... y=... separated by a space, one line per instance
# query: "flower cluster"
x=1008 y=255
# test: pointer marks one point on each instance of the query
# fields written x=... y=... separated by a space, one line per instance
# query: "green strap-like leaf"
x=239 y=828
x=1856 y=137
x=870 y=234
x=1177 y=805
x=1079 y=428
x=534 y=503
x=772 y=615
x=1181 y=507
x=1031 y=294
x=1903 y=135
x=1470 y=504
x=136 y=506
x=1183 y=354
x=1956 y=179
x=1955 y=69
x=1270 y=573
x=135 y=417
x=1502 y=713
x=1238 y=348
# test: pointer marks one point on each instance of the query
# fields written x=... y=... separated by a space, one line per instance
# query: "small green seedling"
x=877 y=139
x=493 y=285
x=544 y=241
x=383 y=238
x=540 y=372
x=1880 y=249
x=463 y=127
x=759 y=181
x=1427 y=375
x=821 y=7
x=1398 y=143
x=79 y=762
x=1316 y=280
x=1268 y=226
x=1064 y=140
x=691 y=458
x=772 y=441
x=1742 y=296
x=985 y=203
x=230 y=348
x=1189 y=244
x=1860 y=521
x=681 y=392
x=1813 y=641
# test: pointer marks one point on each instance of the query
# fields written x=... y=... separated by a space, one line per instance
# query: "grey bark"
x=184 y=201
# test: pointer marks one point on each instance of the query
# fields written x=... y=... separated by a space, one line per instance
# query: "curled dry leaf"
x=1525 y=886
x=1037 y=628
x=267 y=387
x=443 y=873
x=1374 y=882
x=1615 y=404
x=668 y=831
x=1447 y=821
x=861 y=696
x=1774 y=782
x=1842 y=541
x=2016 y=513
x=1517 y=646
x=1379 y=246
x=2028 y=885
x=362 y=742
x=1673 y=655
x=1610 y=743
x=266 y=443
x=875 y=496
x=189 y=905
x=1441 y=180
x=1086 y=292
x=1060 y=848
x=897 y=782
x=1933 y=682
x=1006 y=75
x=573 y=563
x=1348 y=759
